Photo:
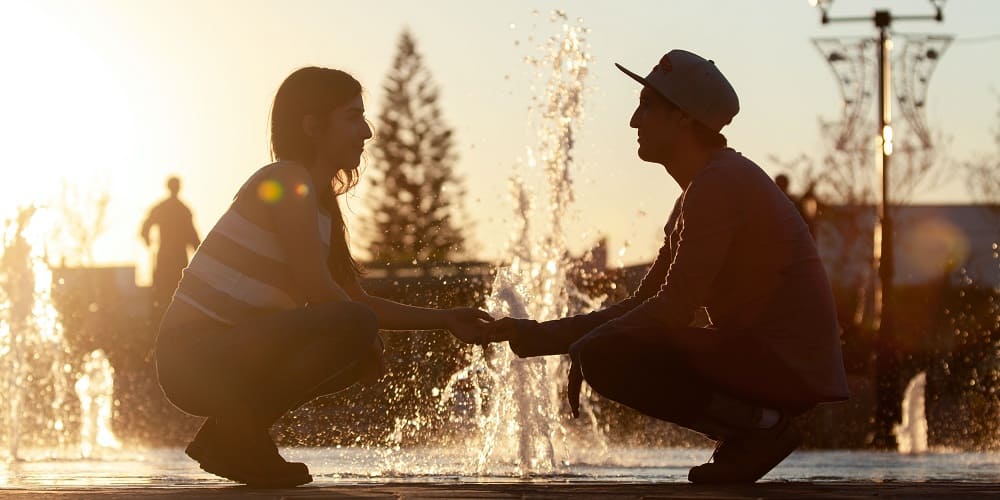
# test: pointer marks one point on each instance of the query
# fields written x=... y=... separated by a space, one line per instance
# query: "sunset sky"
x=114 y=96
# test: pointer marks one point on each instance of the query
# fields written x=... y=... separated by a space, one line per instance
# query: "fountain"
x=521 y=419
x=911 y=434
x=37 y=373
x=95 y=388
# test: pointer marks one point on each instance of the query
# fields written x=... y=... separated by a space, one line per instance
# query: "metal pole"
x=887 y=387
x=886 y=367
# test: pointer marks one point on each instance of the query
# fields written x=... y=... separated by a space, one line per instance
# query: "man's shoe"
x=748 y=458
x=250 y=458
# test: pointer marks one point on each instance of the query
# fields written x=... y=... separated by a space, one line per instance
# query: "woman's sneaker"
x=246 y=457
x=749 y=457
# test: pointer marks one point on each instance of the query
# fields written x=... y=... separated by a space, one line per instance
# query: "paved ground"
x=797 y=490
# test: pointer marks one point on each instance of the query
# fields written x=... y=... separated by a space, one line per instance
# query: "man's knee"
x=591 y=356
x=612 y=359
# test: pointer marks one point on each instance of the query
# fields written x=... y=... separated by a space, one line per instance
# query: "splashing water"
x=520 y=417
x=95 y=388
x=911 y=434
x=36 y=374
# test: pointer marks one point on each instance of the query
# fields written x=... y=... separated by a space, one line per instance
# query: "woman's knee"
x=353 y=323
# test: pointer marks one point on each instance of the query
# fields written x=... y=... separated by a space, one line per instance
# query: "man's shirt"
x=736 y=246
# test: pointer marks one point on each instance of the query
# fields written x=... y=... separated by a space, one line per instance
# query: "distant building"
x=931 y=242
x=103 y=288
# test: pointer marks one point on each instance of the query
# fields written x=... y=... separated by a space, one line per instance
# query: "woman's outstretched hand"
x=505 y=329
x=468 y=324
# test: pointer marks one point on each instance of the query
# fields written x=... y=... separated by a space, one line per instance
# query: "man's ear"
x=310 y=126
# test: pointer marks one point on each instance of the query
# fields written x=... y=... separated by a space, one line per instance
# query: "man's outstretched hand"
x=509 y=329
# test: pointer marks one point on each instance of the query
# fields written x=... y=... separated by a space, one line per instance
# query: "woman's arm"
x=395 y=316
x=465 y=323
x=296 y=224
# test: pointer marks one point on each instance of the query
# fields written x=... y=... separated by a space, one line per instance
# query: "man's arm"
x=555 y=337
x=147 y=224
x=193 y=238
x=708 y=223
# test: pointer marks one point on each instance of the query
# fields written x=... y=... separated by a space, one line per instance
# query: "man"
x=738 y=262
x=807 y=203
x=781 y=180
x=177 y=234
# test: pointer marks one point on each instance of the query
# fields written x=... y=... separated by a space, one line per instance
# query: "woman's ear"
x=310 y=126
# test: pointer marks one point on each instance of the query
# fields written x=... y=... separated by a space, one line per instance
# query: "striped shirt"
x=240 y=271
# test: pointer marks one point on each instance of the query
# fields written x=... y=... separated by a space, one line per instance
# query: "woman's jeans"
x=262 y=368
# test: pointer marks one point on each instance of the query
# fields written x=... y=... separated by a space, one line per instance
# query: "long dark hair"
x=317 y=91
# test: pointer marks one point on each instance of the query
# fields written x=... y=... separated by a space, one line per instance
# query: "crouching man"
x=737 y=255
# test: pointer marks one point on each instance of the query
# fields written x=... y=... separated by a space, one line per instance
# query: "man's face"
x=657 y=123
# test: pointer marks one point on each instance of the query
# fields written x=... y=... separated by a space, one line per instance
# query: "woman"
x=270 y=313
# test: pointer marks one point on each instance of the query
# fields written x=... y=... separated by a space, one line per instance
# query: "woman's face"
x=340 y=145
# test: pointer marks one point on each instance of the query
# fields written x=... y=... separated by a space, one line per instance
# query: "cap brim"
x=631 y=74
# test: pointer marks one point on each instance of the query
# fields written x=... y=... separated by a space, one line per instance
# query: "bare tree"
x=982 y=175
x=843 y=173
x=82 y=221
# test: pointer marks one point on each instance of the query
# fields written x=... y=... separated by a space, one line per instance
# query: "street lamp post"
x=887 y=392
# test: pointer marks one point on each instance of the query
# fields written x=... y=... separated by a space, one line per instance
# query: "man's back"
x=769 y=281
x=176 y=228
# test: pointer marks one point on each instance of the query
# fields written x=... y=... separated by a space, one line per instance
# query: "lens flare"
x=933 y=249
x=270 y=191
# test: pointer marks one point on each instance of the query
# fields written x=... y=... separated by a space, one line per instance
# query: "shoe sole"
x=226 y=471
x=780 y=456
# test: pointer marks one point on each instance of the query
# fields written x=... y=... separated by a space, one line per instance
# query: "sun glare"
x=72 y=119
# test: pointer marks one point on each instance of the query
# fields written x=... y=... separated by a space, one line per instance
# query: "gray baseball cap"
x=695 y=85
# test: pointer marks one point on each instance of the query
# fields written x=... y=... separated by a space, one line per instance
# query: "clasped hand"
x=468 y=324
x=473 y=326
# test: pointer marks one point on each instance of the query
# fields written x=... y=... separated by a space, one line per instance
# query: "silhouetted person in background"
x=733 y=331
x=807 y=204
x=781 y=180
x=177 y=235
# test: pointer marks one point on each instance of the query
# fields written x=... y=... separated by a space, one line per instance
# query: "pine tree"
x=415 y=192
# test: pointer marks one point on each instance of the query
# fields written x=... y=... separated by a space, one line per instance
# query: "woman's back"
x=241 y=269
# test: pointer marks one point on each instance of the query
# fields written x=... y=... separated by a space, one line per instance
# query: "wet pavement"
x=446 y=473
x=403 y=490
